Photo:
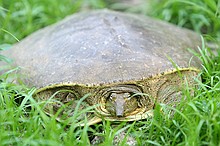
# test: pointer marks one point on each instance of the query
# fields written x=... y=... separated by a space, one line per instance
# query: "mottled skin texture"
x=124 y=60
x=165 y=89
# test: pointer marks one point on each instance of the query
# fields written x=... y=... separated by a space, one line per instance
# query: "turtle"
x=124 y=62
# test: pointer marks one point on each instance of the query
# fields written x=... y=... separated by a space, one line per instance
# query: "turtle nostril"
x=119 y=112
x=120 y=115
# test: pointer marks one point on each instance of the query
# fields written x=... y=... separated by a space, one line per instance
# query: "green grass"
x=36 y=14
x=196 y=122
x=202 y=16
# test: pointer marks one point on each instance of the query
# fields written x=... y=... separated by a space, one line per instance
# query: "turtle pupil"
x=112 y=98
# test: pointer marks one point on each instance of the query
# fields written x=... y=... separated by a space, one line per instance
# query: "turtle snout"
x=119 y=108
x=115 y=105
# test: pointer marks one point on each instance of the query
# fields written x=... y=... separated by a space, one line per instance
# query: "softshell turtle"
x=127 y=62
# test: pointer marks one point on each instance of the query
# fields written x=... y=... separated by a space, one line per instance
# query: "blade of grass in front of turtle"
x=79 y=112
x=127 y=129
x=175 y=65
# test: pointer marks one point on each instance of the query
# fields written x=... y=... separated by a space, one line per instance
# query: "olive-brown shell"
x=103 y=47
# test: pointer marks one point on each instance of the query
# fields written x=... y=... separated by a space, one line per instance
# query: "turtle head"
x=121 y=104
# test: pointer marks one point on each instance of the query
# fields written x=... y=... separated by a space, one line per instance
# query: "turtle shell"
x=98 y=49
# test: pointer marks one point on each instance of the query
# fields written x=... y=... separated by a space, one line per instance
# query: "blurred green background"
x=19 y=18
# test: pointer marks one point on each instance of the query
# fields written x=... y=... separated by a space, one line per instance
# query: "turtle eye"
x=128 y=96
x=112 y=97
x=132 y=95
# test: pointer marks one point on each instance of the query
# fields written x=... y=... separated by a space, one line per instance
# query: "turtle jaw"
x=138 y=114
